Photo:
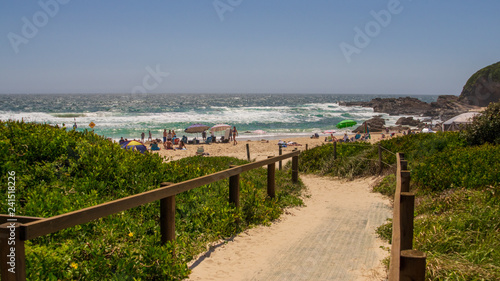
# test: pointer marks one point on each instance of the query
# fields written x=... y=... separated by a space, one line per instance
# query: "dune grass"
x=58 y=171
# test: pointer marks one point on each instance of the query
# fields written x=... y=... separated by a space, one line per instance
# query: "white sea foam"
x=116 y=116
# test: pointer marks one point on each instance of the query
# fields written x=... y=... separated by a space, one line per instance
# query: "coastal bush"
x=84 y=169
x=459 y=230
x=417 y=147
x=352 y=160
x=387 y=186
x=485 y=128
x=471 y=167
x=457 y=208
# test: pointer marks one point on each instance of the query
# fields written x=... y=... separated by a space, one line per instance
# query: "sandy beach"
x=259 y=149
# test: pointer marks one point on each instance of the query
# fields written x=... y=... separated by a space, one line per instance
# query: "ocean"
x=125 y=115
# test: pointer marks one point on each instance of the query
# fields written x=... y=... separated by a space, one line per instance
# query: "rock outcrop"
x=409 y=121
x=482 y=87
x=376 y=124
x=445 y=107
x=395 y=106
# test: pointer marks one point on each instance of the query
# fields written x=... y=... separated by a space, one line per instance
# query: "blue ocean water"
x=125 y=115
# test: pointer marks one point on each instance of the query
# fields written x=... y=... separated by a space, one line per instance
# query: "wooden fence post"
x=412 y=265
x=270 y=179
x=234 y=189
x=379 y=159
x=405 y=181
x=12 y=253
x=406 y=264
x=167 y=217
x=407 y=206
x=280 y=153
x=307 y=146
x=248 y=152
x=295 y=169
x=334 y=150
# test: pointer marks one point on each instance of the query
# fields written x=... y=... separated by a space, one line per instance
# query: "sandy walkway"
x=333 y=238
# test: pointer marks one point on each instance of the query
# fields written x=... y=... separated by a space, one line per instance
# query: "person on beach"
x=173 y=134
x=169 y=135
x=121 y=141
x=235 y=133
x=182 y=146
x=142 y=136
x=334 y=139
x=204 y=135
x=168 y=145
x=346 y=138
x=164 y=135
x=230 y=133
x=150 y=138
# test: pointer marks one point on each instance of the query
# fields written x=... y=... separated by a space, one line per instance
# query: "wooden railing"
x=19 y=229
x=406 y=264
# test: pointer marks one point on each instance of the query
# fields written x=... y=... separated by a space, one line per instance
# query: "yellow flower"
x=74 y=265
x=130 y=234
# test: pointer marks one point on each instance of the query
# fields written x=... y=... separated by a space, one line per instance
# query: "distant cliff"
x=482 y=87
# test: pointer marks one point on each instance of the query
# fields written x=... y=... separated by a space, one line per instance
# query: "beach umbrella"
x=220 y=127
x=346 y=123
x=196 y=128
x=134 y=144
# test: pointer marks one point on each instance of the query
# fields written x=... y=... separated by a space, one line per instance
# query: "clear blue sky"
x=247 y=46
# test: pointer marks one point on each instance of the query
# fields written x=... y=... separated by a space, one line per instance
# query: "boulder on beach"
x=409 y=121
x=376 y=124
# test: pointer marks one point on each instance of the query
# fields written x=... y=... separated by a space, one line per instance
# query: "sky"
x=400 y=47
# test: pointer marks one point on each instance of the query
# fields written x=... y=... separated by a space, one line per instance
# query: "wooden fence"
x=406 y=264
x=15 y=230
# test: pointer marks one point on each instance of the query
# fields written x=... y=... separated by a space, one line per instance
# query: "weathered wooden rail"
x=406 y=264
x=19 y=229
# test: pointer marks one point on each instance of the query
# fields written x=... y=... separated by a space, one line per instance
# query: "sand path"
x=332 y=238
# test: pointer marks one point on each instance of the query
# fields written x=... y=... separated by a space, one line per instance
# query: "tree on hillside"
x=485 y=128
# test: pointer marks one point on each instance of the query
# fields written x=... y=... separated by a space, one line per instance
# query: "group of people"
x=346 y=138
x=170 y=139
x=232 y=135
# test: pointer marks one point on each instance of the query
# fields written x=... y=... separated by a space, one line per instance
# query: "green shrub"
x=420 y=146
x=471 y=167
x=352 y=160
x=387 y=186
x=485 y=128
x=75 y=170
x=460 y=232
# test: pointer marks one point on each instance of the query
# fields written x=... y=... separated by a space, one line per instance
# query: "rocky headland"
x=482 y=88
x=444 y=108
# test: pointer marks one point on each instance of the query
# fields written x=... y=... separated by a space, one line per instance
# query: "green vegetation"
x=59 y=171
x=491 y=72
x=458 y=195
x=353 y=160
x=485 y=127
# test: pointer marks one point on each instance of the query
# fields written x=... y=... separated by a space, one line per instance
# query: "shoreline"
x=259 y=149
